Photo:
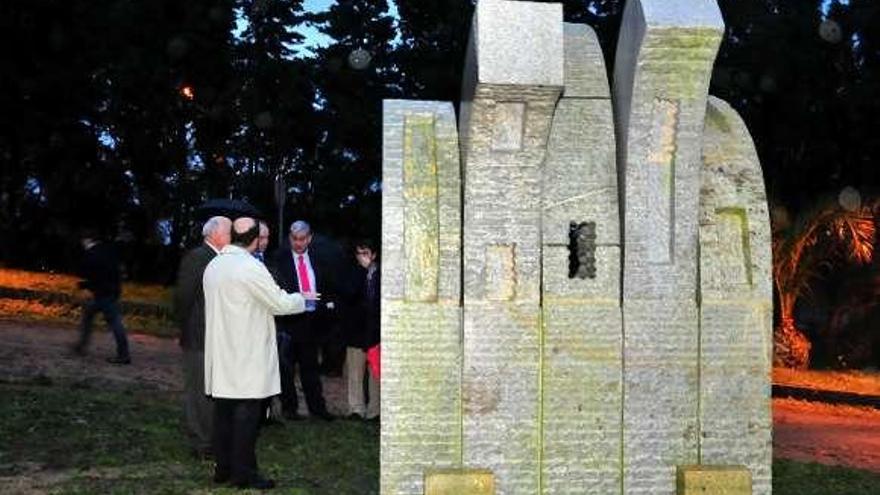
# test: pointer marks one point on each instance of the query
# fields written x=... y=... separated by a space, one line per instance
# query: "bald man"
x=241 y=357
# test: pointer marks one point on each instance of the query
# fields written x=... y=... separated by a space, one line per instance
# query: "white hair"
x=300 y=226
x=213 y=225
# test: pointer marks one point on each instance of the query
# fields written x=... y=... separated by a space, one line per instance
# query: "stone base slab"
x=714 y=480
x=459 y=482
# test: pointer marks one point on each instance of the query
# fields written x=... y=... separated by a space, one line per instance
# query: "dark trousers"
x=109 y=306
x=333 y=351
x=198 y=410
x=304 y=354
x=236 y=427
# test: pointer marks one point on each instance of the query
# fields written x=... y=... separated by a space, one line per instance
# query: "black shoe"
x=326 y=416
x=256 y=483
x=354 y=417
x=221 y=475
x=294 y=417
x=119 y=360
x=272 y=422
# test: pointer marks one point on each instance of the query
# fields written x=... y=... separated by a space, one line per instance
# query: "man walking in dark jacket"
x=101 y=277
x=189 y=306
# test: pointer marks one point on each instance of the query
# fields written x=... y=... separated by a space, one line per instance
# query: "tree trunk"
x=791 y=348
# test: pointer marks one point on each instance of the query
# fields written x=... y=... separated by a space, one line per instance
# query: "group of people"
x=250 y=321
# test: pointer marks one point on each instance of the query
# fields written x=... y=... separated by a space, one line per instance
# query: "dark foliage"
x=126 y=114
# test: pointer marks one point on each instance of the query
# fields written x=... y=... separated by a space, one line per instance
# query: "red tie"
x=304 y=284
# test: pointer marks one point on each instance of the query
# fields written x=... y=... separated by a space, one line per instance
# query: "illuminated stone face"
x=421 y=293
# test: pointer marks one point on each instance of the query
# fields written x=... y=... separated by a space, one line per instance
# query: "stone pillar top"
x=682 y=13
x=518 y=43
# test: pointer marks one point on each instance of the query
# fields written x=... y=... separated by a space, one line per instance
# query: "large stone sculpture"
x=583 y=322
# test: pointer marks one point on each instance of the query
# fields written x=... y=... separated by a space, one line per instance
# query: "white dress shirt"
x=241 y=300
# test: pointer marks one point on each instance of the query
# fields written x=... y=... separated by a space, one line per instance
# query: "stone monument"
x=581 y=303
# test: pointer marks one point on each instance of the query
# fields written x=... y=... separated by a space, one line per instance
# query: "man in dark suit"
x=189 y=309
x=297 y=268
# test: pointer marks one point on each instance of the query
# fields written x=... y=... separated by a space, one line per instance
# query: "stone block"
x=581 y=372
x=661 y=384
x=513 y=79
x=736 y=334
x=421 y=293
x=518 y=43
x=713 y=480
x=661 y=81
x=662 y=71
x=585 y=74
x=459 y=482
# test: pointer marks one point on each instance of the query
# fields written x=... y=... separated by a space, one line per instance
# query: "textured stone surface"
x=513 y=44
x=581 y=371
x=585 y=372
x=736 y=301
x=661 y=79
x=459 y=482
x=714 y=480
x=585 y=73
x=518 y=43
x=502 y=234
x=421 y=291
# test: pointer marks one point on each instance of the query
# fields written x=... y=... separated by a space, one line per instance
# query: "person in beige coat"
x=241 y=356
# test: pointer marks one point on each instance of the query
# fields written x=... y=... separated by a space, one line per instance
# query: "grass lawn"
x=798 y=478
x=130 y=441
x=90 y=441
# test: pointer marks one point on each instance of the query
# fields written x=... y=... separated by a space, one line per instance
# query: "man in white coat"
x=241 y=356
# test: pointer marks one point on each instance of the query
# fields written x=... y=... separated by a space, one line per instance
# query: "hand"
x=311 y=296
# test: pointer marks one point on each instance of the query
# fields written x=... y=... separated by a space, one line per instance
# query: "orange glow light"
x=187 y=92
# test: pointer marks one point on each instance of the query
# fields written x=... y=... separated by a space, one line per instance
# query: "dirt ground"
x=840 y=435
x=42 y=352
x=803 y=431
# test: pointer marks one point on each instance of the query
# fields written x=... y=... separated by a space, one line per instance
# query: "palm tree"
x=804 y=248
